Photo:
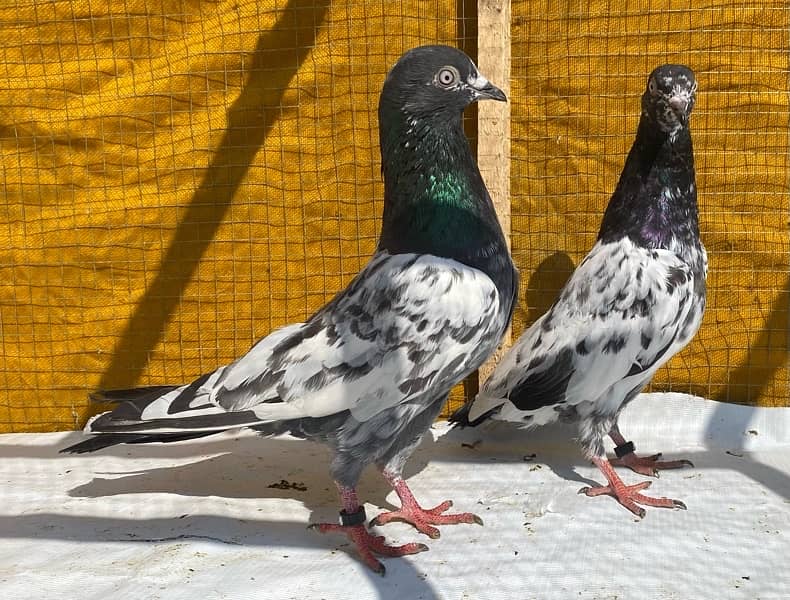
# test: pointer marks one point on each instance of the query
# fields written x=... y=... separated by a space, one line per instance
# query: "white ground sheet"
x=225 y=517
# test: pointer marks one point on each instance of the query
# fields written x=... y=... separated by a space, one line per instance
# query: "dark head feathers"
x=669 y=97
x=655 y=202
x=430 y=80
x=435 y=200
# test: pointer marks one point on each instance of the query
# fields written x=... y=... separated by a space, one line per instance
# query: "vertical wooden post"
x=493 y=124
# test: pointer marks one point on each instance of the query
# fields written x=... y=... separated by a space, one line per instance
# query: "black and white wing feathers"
x=623 y=313
x=406 y=324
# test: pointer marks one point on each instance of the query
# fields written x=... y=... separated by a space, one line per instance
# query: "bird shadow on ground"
x=554 y=446
x=249 y=467
x=402 y=576
x=273 y=470
x=246 y=466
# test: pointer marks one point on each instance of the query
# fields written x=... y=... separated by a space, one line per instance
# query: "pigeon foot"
x=648 y=465
x=368 y=544
x=423 y=519
x=628 y=496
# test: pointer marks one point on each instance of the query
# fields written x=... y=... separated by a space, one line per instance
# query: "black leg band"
x=349 y=520
x=624 y=449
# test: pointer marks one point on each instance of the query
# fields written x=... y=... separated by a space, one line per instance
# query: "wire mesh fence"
x=182 y=177
x=578 y=75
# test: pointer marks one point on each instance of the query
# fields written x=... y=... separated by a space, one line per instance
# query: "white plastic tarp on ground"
x=226 y=517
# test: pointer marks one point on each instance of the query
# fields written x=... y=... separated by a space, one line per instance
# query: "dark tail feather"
x=101 y=441
x=460 y=418
x=166 y=438
x=131 y=394
x=105 y=440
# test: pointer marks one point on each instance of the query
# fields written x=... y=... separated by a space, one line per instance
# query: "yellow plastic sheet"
x=579 y=70
x=180 y=177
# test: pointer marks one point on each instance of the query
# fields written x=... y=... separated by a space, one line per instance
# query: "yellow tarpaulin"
x=578 y=73
x=181 y=177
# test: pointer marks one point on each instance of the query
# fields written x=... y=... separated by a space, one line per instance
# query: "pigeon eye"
x=447 y=76
x=652 y=86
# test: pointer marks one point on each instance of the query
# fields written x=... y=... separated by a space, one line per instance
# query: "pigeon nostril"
x=678 y=104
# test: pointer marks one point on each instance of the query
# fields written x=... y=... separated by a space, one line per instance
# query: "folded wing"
x=620 y=316
x=406 y=326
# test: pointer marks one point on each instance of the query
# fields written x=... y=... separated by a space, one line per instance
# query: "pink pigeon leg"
x=644 y=465
x=627 y=495
x=423 y=519
x=353 y=525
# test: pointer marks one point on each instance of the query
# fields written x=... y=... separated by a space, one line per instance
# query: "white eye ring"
x=651 y=85
x=447 y=76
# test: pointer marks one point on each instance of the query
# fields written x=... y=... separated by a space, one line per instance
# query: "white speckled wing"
x=406 y=325
x=617 y=319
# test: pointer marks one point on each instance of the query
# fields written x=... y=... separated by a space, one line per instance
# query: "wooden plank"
x=493 y=124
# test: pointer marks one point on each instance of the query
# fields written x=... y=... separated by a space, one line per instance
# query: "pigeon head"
x=435 y=200
x=655 y=202
x=669 y=97
x=435 y=82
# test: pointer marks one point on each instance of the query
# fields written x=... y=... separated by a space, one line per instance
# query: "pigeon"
x=369 y=372
x=634 y=301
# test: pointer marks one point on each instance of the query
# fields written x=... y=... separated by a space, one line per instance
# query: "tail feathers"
x=460 y=418
x=161 y=413
x=204 y=424
x=103 y=441
x=166 y=410
x=132 y=394
x=167 y=414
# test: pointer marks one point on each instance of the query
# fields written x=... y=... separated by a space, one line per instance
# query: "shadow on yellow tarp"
x=279 y=54
x=177 y=183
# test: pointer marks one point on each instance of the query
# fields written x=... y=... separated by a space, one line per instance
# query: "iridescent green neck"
x=435 y=201
x=434 y=198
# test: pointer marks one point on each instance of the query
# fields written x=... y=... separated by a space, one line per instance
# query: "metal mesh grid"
x=182 y=177
x=577 y=79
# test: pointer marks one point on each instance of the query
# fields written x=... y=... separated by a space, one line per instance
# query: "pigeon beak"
x=679 y=106
x=491 y=92
x=485 y=90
